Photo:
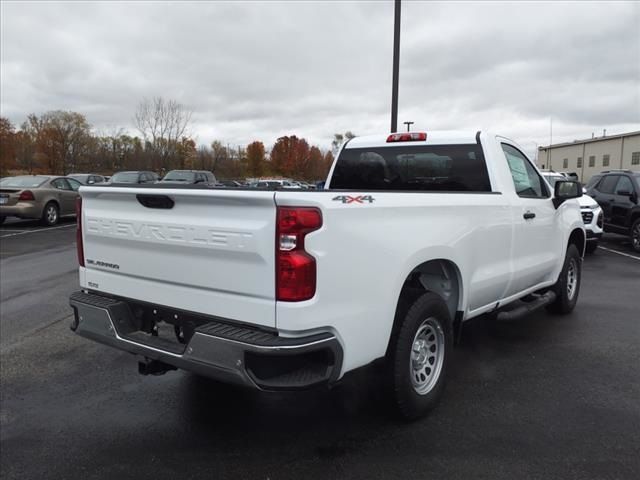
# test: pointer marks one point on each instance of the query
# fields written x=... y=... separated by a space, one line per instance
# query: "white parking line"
x=619 y=253
x=24 y=232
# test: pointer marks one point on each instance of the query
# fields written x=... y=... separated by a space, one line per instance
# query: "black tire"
x=635 y=235
x=427 y=321
x=50 y=214
x=591 y=247
x=566 y=298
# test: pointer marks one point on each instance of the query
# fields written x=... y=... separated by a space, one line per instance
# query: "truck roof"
x=435 y=137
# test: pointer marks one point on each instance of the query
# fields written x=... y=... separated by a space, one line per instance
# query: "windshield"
x=179 y=176
x=552 y=179
x=125 y=177
x=22 y=182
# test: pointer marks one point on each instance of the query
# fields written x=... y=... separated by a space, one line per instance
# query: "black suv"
x=617 y=192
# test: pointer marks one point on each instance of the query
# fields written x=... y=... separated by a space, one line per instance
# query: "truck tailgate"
x=211 y=252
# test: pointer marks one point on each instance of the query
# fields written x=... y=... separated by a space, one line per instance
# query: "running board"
x=526 y=308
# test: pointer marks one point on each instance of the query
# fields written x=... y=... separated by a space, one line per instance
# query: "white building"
x=594 y=155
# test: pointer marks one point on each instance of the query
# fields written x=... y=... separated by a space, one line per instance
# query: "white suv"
x=591 y=213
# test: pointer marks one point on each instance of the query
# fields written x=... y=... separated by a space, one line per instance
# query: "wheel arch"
x=441 y=276
x=578 y=238
x=51 y=200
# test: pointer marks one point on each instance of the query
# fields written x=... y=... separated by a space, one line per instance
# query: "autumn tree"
x=316 y=167
x=7 y=146
x=62 y=139
x=290 y=156
x=220 y=158
x=163 y=123
x=25 y=146
x=328 y=161
x=255 y=159
x=187 y=153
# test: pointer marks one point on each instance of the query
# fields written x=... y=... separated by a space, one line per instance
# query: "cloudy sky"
x=259 y=70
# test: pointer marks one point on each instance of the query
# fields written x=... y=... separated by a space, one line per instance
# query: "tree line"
x=62 y=142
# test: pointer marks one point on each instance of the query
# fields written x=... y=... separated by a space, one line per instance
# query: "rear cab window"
x=419 y=168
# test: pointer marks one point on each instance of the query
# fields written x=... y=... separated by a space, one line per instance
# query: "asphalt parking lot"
x=546 y=397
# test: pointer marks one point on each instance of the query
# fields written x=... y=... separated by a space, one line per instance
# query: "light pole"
x=396 y=67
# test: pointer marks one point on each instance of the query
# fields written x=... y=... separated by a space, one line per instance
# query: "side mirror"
x=91 y=182
x=199 y=180
x=624 y=193
x=566 y=190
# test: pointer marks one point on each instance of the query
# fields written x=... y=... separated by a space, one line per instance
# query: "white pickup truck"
x=414 y=234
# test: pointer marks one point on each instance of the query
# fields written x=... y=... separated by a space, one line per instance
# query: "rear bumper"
x=221 y=350
x=21 y=210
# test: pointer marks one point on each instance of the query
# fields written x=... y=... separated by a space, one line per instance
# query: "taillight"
x=79 y=244
x=407 y=137
x=295 y=268
x=26 y=195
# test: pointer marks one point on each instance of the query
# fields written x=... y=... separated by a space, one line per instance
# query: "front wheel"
x=567 y=287
x=418 y=355
x=635 y=235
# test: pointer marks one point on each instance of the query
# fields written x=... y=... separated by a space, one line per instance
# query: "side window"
x=60 y=184
x=593 y=180
x=608 y=184
x=624 y=185
x=525 y=178
x=74 y=184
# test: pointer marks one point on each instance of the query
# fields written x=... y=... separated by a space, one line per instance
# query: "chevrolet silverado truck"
x=414 y=234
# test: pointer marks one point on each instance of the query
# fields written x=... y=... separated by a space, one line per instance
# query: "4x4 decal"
x=350 y=199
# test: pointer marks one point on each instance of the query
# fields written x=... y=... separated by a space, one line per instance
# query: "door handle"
x=529 y=215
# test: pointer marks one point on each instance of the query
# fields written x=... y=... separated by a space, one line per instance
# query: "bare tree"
x=339 y=139
x=162 y=123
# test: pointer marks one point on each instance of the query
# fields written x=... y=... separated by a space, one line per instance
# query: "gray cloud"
x=259 y=70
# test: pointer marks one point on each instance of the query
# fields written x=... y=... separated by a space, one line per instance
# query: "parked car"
x=186 y=177
x=617 y=192
x=592 y=215
x=87 y=178
x=278 y=183
x=229 y=183
x=38 y=196
x=571 y=176
x=282 y=289
x=137 y=177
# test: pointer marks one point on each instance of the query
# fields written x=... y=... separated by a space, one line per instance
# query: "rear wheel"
x=50 y=214
x=567 y=287
x=418 y=356
x=635 y=235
